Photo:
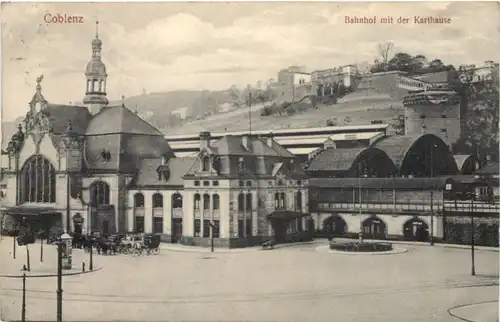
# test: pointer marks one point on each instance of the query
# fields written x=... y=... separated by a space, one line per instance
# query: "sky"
x=158 y=47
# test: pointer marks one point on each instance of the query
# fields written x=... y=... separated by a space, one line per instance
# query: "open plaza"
x=300 y=282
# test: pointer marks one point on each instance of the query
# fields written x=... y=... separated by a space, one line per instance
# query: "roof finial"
x=38 y=81
x=97 y=29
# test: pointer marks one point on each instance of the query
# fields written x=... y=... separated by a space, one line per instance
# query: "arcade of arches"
x=374 y=227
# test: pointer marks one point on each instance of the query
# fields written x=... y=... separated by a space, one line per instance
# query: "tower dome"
x=96 y=42
x=95 y=72
x=95 y=67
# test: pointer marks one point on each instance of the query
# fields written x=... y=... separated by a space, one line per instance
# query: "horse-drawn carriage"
x=118 y=244
x=149 y=243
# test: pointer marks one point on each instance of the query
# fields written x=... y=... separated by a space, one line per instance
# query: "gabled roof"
x=230 y=145
x=119 y=119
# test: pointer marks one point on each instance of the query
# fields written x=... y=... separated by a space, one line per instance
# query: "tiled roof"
x=439 y=77
x=380 y=183
x=127 y=138
x=396 y=147
x=119 y=119
x=125 y=149
x=60 y=115
x=491 y=168
x=148 y=174
x=230 y=145
x=334 y=159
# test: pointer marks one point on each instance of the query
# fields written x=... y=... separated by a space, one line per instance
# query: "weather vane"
x=39 y=79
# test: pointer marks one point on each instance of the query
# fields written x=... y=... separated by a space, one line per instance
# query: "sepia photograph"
x=249 y=161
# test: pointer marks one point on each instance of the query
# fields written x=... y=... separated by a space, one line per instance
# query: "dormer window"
x=205 y=164
x=241 y=164
x=105 y=155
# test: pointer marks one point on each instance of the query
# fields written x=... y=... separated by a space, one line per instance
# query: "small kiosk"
x=66 y=241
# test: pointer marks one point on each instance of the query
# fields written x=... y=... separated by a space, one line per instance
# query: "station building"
x=101 y=168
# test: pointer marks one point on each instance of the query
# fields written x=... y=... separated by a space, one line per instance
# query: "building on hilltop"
x=323 y=80
x=293 y=84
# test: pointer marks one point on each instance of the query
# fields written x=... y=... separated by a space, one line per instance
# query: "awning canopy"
x=286 y=215
x=30 y=210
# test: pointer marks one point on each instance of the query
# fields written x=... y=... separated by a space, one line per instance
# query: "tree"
x=419 y=62
x=399 y=125
x=436 y=63
x=383 y=51
x=402 y=62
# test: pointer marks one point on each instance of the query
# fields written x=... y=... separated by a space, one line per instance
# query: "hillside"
x=360 y=111
x=376 y=97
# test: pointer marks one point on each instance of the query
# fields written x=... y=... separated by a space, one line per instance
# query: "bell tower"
x=95 y=73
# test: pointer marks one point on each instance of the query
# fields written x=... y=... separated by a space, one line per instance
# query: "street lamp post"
x=212 y=236
x=59 y=290
x=360 y=205
x=28 y=257
x=91 y=263
x=431 y=235
x=14 y=247
x=41 y=249
x=472 y=241
x=23 y=305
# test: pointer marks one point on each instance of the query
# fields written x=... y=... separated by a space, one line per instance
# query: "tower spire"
x=95 y=72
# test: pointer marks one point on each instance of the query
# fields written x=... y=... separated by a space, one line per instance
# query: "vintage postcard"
x=237 y=161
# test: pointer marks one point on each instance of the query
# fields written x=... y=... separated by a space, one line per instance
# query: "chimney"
x=269 y=139
x=204 y=140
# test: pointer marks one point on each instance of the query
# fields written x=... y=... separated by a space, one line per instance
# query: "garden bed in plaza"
x=361 y=247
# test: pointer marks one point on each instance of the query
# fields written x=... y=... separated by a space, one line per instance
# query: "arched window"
x=96 y=85
x=38 y=181
x=139 y=200
x=101 y=86
x=89 y=86
x=157 y=200
x=282 y=200
x=299 y=201
x=99 y=193
x=206 y=202
x=276 y=200
x=205 y=163
x=216 y=202
x=249 y=202
x=197 y=200
x=241 y=202
x=176 y=200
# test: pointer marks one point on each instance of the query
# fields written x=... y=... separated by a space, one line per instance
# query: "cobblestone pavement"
x=286 y=284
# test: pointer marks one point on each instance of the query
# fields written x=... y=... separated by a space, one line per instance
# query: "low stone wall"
x=223 y=242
